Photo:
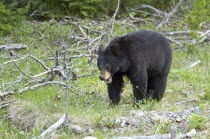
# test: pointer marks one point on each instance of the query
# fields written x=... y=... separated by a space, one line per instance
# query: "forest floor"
x=33 y=86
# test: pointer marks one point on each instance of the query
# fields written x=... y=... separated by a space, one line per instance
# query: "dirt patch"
x=26 y=116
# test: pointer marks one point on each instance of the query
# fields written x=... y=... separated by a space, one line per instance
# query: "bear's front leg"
x=139 y=88
x=115 y=88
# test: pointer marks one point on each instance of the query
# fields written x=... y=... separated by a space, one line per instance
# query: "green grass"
x=92 y=109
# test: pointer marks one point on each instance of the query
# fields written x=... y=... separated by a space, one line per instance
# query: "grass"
x=92 y=109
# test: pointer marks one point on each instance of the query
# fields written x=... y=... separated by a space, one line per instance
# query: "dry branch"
x=84 y=34
x=12 y=84
x=187 y=32
x=205 y=36
x=53 y=127
x=4 y=105
x=15 y=60
x=192 y=65
x=91 y=30
x=40 y=62
x=189 y=134
x=159 y=12
x=164 y=136
x=184 y=37
x=172 y=135
x=91 y=50
x=173 y=40
x=166 y=19
x=82 y=31
x=12 y=47
x=3 y=94
x=114 y=15
x=187 y=101
x=57 y=70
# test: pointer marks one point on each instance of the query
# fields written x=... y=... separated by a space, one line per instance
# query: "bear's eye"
x=99 y=67
x=107 y=67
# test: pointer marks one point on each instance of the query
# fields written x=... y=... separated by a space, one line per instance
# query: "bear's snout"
x=105 y=76
x=101 y=78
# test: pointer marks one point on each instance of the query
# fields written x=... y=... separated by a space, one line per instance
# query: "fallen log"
x=12 y=47
x=52 y=127
x=172 y=135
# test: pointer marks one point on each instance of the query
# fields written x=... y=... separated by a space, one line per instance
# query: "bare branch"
x=12 y=84
x=57 y=69
x=113 y=17
x=185 y=38
x=21 y=70
x=82 y=31
x=190 y=134
x=12 y=47
x=192 y=65
x=39 y=61
x=3 y=94
x=14 y=60
x=4 y=105
x=172 y=135
x=172 y=40
x=205 y=35
x=159 y=12
x=52 y=127
x=166 y=19
x=187 y=101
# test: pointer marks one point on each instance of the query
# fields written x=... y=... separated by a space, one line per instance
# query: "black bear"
x=144 y=57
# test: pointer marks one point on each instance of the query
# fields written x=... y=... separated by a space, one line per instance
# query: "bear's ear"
x=126 y=38
x=116 y=49
x=101 y=49
x=129 y=38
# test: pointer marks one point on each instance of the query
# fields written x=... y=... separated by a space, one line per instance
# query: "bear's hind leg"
x=115 y=88
x=156 y=86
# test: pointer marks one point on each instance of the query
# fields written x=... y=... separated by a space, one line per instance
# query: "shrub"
x=199 y=13
x=197 y=121
x=10 y=19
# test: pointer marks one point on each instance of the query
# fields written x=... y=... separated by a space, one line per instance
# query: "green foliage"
x=9 y=132
x=105 y=8
x=162 y=127
x=199 y=13
x=44 y=9
x=159 y=4
x=205 y=96
x=10 y=19
x=86 y=8
x=197 y=121
x=47 y=9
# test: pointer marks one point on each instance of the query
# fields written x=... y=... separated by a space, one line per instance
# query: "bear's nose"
x=101 y=78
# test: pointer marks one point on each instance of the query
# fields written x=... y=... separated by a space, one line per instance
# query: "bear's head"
x=108 y=63
x=114 y=59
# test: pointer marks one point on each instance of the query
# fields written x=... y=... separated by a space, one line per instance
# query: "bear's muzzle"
x=105 y=76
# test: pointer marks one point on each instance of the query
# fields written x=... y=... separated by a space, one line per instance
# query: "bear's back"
x=149 y=37
x=149 y=45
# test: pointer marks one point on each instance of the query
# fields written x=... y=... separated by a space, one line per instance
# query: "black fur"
x=144 y=57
